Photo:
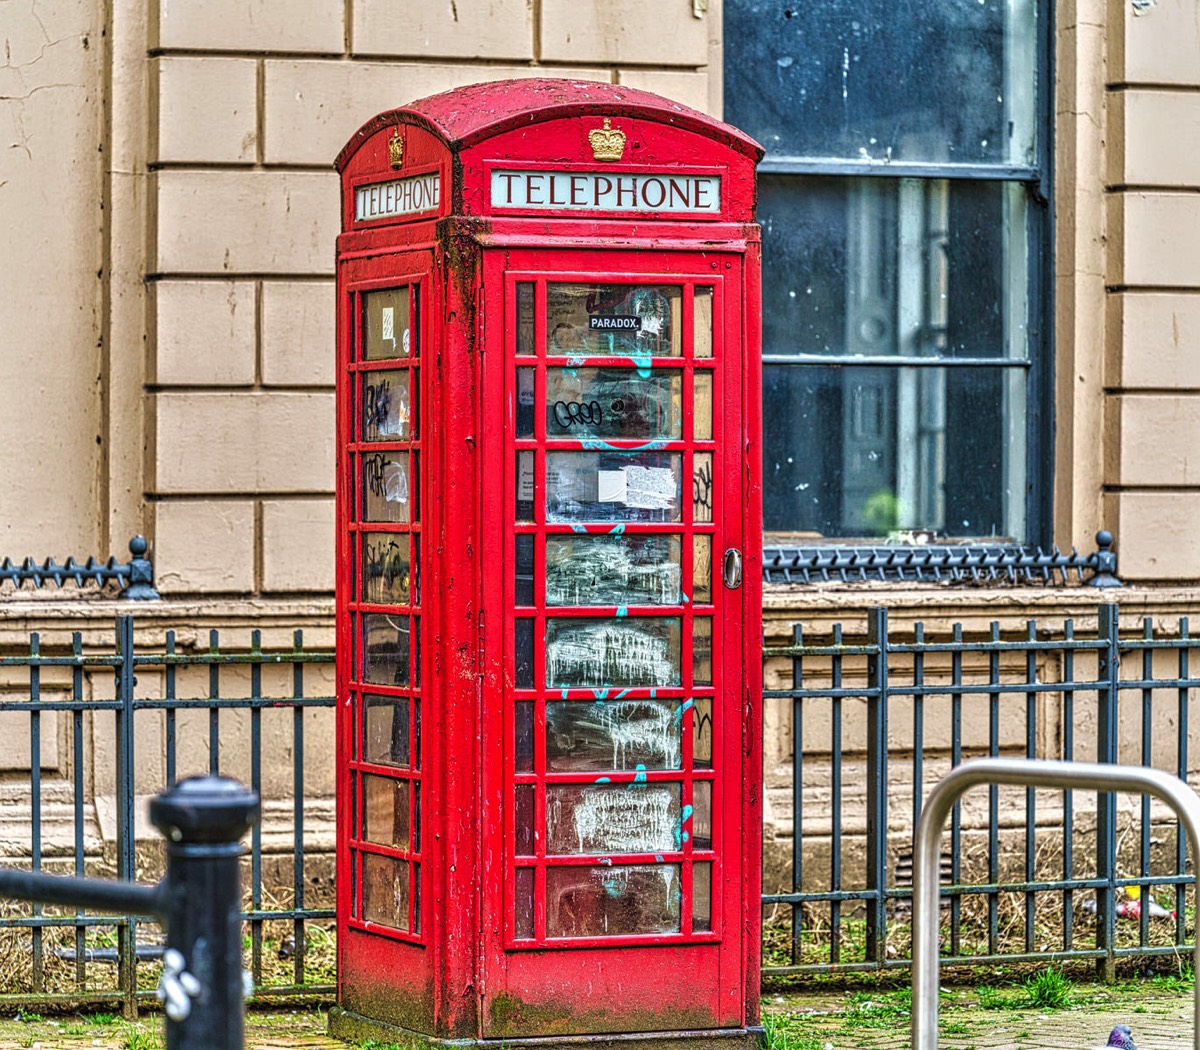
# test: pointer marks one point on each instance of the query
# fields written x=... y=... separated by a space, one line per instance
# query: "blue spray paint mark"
x=653 y=693
x=682 y=836
x=604 y=860
x=677 y=718
x=640 y=780
x=596 y=445
x=602 y=780
x=624 y=693
x=599 y=694
x=578 y=528
x=612 y=887
x=658 y=857
x=642 y=361
x=575 y=360
x=564 y=694
x=686 y=599
x=616 y=530
x=622 y=610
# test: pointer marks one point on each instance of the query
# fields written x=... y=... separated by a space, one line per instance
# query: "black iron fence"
x=860 y=722
x=868 y=718
x=105 y=724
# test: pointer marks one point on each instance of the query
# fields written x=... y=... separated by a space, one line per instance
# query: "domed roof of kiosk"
x=467 y=115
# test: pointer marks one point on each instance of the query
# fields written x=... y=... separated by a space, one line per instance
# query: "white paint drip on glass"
x=614 y=819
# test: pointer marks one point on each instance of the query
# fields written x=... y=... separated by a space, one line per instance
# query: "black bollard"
x=203 y=820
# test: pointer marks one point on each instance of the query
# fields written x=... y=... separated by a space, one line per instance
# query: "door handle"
x=733 y=568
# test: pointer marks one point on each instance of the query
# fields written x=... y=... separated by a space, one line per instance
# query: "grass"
x=789 y=1032
x=1049 y=989
x=136 y=1039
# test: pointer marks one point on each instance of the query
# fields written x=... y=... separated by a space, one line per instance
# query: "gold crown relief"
x=396 y=149
x=608 y=143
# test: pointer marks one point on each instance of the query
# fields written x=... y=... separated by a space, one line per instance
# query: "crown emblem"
x=396 y=149
x=608 y=143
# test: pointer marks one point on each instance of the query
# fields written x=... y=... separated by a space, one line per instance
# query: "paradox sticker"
x=389 y=324
x=615 y=324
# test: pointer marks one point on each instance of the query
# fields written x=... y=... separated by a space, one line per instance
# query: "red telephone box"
x=549 y=545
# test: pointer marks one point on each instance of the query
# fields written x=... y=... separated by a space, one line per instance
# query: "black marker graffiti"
x=702 y=488
x=377 y=405
x=585 y=413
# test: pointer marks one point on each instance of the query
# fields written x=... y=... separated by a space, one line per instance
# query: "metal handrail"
x=1018 y=772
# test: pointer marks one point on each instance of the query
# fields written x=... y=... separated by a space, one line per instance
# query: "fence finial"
x=1105 y=562
x=141 y=572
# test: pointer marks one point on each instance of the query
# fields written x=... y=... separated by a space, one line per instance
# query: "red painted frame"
x=463 y=972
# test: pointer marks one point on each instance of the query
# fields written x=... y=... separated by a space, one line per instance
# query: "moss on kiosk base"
x=354 y=1028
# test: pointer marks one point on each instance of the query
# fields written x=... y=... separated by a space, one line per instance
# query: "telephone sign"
x=549 y=677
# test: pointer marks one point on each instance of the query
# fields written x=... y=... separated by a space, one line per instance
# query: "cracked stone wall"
x=51 y=303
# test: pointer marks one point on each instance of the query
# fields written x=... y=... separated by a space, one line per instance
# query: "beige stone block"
x=15 y=752
x=298 y=545
x=1159 y=440
x=1156 y=535
x=692 y=89
x=207 y=110
x=298 y=333
x=1157 y=139
x=244 y=442
x=247 y=221
x=253 y=25
x=1152 y=237
x=478 y=28
x=1155 y=340
x=312 y=108
x=204 y=545
x=656 y=32
x=206 y=332
x=1155 y=44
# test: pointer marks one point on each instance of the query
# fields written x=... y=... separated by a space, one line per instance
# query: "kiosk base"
x=352 y=1027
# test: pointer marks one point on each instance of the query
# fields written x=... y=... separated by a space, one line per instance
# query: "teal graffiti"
x=642 y=362
x=687 y=705
x=616 y=530
x=640 y=780
x=682 y=836
x=622 y=611
x=602 y=780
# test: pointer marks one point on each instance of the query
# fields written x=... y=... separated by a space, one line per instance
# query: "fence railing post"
x=203 y=820
x=1108 y=679
x=126 y=840
x=877 y=819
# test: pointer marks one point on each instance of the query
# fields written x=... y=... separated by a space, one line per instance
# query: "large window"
x=904 y=209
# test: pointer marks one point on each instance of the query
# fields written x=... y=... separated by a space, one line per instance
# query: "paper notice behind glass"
x=612 y=487
x=651 y=488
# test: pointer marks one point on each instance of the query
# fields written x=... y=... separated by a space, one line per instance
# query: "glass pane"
x=388 y=324
x=702 y=650
x=884 y=80
x=613 y=486
x=385 y=649
x=524 y=570
x=899 y=454
x=626 y=319
x=702 y=405
x=702 y=328
x=613 y=818
x=523 y=902
x=385 y=811
x=386 y=487
x=525 y=485
x=526 y=378
x=613 y=570
x=702 y=897
x=523 y=642
x=416 y=789
x=920 y=268
x=702 y=486
x=524 y=737
x=702 y=792
x=612 y=900
x=614 y=403
x=385 y=568
x=702 y=568
x=385 y=406
x=702 y=733
x=523 y=820
x=525 y=336
x=385 y=891
x=386 y=730
x=586 y=735
x=623 y=652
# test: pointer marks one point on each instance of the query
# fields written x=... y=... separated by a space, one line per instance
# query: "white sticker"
x=525 y=476
x=650 y=488
x=611 y=486
x=389 y=324
x=404 y=340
